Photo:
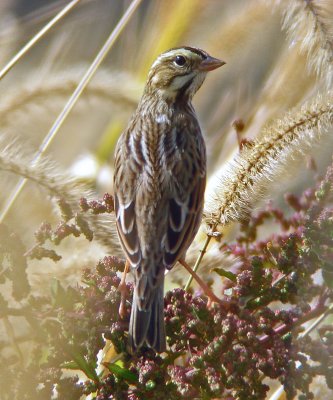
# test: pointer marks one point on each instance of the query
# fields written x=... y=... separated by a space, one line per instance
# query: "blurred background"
x=265 y=75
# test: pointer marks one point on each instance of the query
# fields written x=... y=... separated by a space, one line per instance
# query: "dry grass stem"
x=37 y=37
x=72 y=100
x=106 y=86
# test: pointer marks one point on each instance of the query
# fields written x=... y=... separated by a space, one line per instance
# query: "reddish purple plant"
x=214 y=352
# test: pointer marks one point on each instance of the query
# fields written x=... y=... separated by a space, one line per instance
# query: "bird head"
x=178 y=73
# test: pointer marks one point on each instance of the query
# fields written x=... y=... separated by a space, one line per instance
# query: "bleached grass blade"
x=37 y=37
x=72 y=101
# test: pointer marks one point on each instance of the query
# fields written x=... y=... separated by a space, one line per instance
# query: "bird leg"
x=205 y=288
x=123 y=290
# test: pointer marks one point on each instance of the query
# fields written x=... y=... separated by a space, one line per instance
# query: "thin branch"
x=279 y=393
x=318 y=321
x=206 y=289
x=320 y=310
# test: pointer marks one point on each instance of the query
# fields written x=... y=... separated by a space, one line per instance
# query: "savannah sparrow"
x=159 y=183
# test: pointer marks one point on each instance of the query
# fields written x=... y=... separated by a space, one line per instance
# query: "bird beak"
x=210 y=63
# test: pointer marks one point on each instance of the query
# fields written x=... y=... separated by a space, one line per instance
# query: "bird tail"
x=148 y=325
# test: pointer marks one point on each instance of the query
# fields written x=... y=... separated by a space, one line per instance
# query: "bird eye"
x=180 y=61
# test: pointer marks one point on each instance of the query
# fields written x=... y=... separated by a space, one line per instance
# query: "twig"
x=207 y=290
x=321 y=311
x=314 y=325
x=277 y=395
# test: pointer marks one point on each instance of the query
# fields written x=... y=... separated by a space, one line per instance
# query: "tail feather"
x=138 y=327
x=156 y=332
x=148 y=325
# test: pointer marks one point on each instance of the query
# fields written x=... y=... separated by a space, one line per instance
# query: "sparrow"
x=159 y=185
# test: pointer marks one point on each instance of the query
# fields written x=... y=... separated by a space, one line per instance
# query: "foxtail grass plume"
x=245 y=180
x=16 y=159
x=311 y=23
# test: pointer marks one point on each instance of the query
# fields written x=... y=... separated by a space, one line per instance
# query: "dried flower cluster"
x=214 y=352
x=72 y=224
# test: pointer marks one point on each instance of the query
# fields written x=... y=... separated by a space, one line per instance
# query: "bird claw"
x=122 y=288
x=123 y=294
x=122 y=309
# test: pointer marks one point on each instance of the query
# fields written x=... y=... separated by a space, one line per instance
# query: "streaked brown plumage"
x=159 y=183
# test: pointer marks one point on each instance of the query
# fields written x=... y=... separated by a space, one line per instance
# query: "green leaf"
x=57 y=292
x=63 y=297
x=226 y=274
x=69 y=365
x=121 y=372
x=90 y=282
x=80 y=363
x=86 y=367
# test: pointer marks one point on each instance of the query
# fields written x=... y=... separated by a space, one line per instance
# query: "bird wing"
x=124 y=198
x=181 y=198
x=185 y=206
x=183 y=223
x=127 y=230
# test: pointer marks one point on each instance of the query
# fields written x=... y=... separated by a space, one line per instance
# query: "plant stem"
x=279 y=394
x=71 y=102
x=197 y=263
x=37 y=37
x=314 y=325
x=321 y=311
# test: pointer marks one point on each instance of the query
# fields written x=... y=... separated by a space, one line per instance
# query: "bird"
x=159 y=185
